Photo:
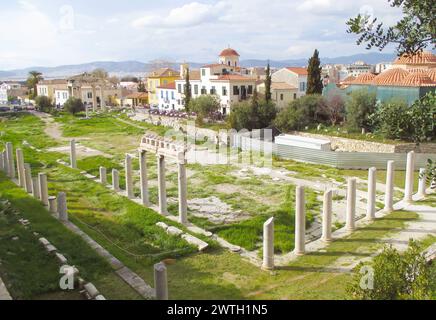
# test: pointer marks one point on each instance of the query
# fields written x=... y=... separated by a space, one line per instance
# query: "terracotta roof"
x=418 y=79
x=432 y=74
x=298 y=70
x=194 y=75
x=234 y=77
x=424 y=57
x=364 y=78
x=171 y=86
x=393 y=76
x=229 y=53
x=348 y=79
x=137 y=95
x=282 y=86
x=163 y=72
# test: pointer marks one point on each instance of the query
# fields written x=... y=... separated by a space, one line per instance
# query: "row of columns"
x=162 y=192
x=37 y=186
x=327 y=213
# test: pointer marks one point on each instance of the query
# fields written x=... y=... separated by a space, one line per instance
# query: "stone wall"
x=351 y=145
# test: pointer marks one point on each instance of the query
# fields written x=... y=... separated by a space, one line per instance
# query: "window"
x=196 y=89
x=235 y=90
x=172 y=95
x=161 y=94
x=295 y=96
x=224 y=91
x=302 y=86
x=250 y=90
x=89 y=95
x=212 y=90
x=203 y=72
x=203 y=90
x=179 y=88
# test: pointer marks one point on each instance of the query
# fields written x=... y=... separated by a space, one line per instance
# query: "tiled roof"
x=229 y=53
x=365 y=78
x=298 y=70
x=171 y=86
x=348 y=79
x=432 y=74
x=163 y=72
x=418 y=79
x=137 y=95
x=393 y=76
x=424 y=57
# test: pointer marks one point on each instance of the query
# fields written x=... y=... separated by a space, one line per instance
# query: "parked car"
x=5 y=109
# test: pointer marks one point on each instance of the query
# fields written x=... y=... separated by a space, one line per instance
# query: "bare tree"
x=334 y=108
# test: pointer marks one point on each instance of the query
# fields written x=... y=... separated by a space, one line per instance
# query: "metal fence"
x=341 y=160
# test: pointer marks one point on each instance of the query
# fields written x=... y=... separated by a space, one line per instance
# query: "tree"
x=421 y=116
x=358 y=108
x=130 y=79
x=396 y=276
x=268 y=83
x=100 y=73
x=204 y=106
x=333 y=108
x=188 y=93
x=300 y=113
x=391 y=120
x=32 y=81
x=314 y=81
x=241 y=116
x=44 y=104
x=430 y=173
x=141 y=86
x=414 y=32
x=74 y=105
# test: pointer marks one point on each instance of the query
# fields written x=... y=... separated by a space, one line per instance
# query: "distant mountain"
x=137 y=68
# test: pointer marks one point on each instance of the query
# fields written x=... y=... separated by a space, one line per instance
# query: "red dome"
x=229 y=53
x=390 y=77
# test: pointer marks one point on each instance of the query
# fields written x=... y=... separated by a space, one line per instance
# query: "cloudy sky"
x=55 y=32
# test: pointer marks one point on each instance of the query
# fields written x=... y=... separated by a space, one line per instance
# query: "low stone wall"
x=351 y=145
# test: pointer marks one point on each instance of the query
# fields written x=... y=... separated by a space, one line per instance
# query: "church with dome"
x=410 y=78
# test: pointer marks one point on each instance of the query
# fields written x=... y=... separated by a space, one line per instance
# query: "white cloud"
x=191 y=14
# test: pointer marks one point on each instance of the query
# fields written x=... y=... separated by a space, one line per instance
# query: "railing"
x=341 y=160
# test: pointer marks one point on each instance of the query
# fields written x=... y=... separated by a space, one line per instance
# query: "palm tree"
x=34 y=78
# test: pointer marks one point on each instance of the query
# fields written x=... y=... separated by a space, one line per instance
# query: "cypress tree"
x=268 y=83
x=314 y=81
x=188 y=93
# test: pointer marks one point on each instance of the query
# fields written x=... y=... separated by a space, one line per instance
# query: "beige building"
x=281 y=93
x=293 y=76
x=48 y=88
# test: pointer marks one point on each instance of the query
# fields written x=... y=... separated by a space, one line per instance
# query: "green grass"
x=32 y=273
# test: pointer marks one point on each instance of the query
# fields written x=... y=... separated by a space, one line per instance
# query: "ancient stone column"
x=73 y=158
x=389 y=196
x=62 y=207
x=52 y=204
x=103 y=176
x=28 y=177
x=129 y=177
x=2 y=168
x=300 y=222
x=5 y=163
x=20 y=167
x=115 y=180
x=372 y=191
x=327 y=216
x=161 y=281
x=183 y=193
x=410 y=171
x=351 y=204
x=162 y=185
x=35 y=188
x=422 y=192
x=268 y=245
x=143 y=177
x=11 y=163
x=43 y=189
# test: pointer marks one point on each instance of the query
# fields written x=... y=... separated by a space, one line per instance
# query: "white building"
x=61 y=96
x=293 y=76
x=4 y=93
x=224 y=79
x=11 y=89
x=358 y=68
